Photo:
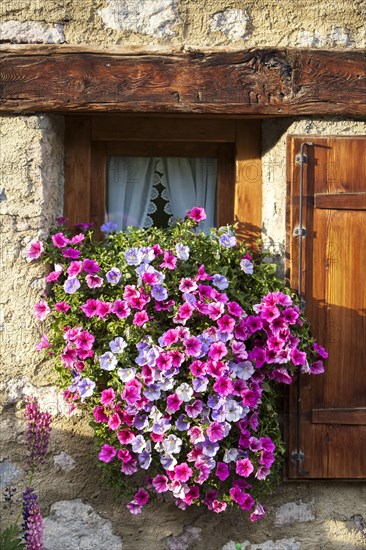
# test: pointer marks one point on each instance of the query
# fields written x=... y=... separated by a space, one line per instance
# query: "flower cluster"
x=171 y=340
x=32 y=520
x=38 y=431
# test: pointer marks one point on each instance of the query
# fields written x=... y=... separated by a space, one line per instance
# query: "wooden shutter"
x=333 y=405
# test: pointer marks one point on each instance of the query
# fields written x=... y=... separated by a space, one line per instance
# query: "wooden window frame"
x=89 y=140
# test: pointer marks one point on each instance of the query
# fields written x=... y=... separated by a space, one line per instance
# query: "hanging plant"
x=175 y=343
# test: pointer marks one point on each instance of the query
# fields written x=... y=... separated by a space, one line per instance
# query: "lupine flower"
x=38 y=429
x=32 y=520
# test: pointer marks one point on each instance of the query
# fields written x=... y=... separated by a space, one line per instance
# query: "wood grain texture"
x=339 y=416
x=251 y=82
x=340 y=201
x=77 y=170
x=225 y=195
x=248 y=189
x=333 y=433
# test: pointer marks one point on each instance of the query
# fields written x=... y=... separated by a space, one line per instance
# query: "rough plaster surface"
x=293 y=511
x=178 y=22
x=283 y=544
x=31 y=159
x=30 y=32
x=150 y=17
x=185 y=539
x=9 y=473
x=234 y=24
x=74 y=525
x=49 y=398
x=64 y=461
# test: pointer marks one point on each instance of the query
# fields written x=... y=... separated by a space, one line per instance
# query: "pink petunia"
x=218 y=506
x=173 y=403
x=41 y=310
x=125 y=437
x=183 y=472
x=76 y=239
x=121 y=309
x=90 y=308
x=244 y=467
x=53 y=276
x=75 y=268
x=35 y=249
x=317 y=367
x=298 y=357
x=140 y=318
x=193 y=346
x=217 y=351
x=103 y=308
x=43 y=344
x=320 y=351
x=107 y=453
x=59 y=240
x=267 y=458
x=226 y=323
x=170 y=261
x=223 y=386
x=107 y=396
x=93 y=281
x=90 y=266
x=197 y=214
x=141 y=497
x=114 y=422
x=234 y=309
x=71 y=253
x=215 y=432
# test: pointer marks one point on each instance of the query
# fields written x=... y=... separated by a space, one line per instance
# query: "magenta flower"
x=76 y=239
x=53 y=276
x=41 y=310
x=173 y=403
x=222 y=471
x=75 y=268
x=267 y=458
x=37 y=433
x=197 y=214
x=43 y=344
x=170 y=261
x=125 y=437
x=141 y=497
x=223 y=386
x=121 y=309
x=215 y=432
x=59 y=240
x=134 y=508
x=107 y=396
x=91 y=266
x=217 y=351
x=71 y=253
x=298 y=357
x=93 y=281
x=140 y=318
x=193 y=346
x=218 y=506
x=35 y=250
x=103 y=308
x=317 y=367
x=244 y=467
x=114 y=422
x=107 y=453
x=183 y=472
x=320 y=351
x=33 y=523
x=160 y=483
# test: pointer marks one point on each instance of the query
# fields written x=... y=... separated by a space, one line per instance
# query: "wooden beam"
x=260 y=82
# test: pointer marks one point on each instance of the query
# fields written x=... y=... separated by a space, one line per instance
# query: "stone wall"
x=82 y=513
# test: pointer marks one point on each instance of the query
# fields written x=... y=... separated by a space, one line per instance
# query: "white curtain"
x=186 y=182
x=191 y=182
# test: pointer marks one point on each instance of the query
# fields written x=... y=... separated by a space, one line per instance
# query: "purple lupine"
x=33 y=523
x=37 y=433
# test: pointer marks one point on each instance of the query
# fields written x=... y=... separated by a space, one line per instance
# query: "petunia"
x=173 y=403
x=108 y=227
x=133 y=256
x=228 y=240
x=71 y=285
x=113 y=276
x=121 y=309
x=59 y=240
x=317 y=367
x=76 y=239
x=43 y=344
x=118 y=345
x=108 y=361
x=141 y=497
x=75 y=268
x=182 y=251
x=197 y=214
x=247 y=266
x=90 y=308
x=41 y=310
x=90 y=266
x=222 y=471
x=184 y=392
x=140 y=318
x=159 y=292
x=244 y=467
x=170 y=261
x=134 y=508
x=183 y=472
x=160 y=483
x=125 y=436
x=215 y=432
x=107 y=453
x=94 y=281
x=35 y=250
x=320 y=351
x=86 y=388
x=71 y=253
x=107 y=396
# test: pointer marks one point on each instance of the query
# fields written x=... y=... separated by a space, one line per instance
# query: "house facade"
x=57 y=128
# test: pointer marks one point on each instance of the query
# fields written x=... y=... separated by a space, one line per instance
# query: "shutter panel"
x=333 y=405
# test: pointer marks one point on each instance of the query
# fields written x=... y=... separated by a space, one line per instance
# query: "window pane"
x=146 y=191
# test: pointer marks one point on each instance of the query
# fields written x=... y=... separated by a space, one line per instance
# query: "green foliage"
x=10 y=539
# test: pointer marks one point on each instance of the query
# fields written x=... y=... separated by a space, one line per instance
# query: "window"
x=211 y=162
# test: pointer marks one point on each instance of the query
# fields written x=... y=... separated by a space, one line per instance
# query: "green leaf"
x=10 y=539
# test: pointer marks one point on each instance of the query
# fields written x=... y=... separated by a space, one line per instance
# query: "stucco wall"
x=81 y=512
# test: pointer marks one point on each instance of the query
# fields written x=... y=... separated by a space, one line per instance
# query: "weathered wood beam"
x=252 y=82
